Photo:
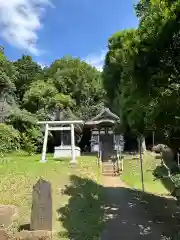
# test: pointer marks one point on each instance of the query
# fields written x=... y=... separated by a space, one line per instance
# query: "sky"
x=50 y=29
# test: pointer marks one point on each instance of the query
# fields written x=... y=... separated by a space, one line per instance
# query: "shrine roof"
x=105 y=116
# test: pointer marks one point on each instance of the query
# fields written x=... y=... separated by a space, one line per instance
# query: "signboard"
x=95 y=132
x=119 y=143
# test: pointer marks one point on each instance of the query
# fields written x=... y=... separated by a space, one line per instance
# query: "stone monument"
x=41 y=213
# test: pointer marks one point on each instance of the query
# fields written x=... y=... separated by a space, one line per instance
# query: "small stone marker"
x=3 y=235
x=8 y=213
x=41 y=213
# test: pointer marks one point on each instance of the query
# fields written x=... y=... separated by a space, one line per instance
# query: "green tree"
x=156 y=66
x=7 y=75
x=28 y=71
x=148 y=63
x=79 y=80
x=26 y=124
x=114 y=67
x=43 y=99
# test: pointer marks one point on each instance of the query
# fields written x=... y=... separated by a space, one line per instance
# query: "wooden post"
x=141 y=163
x=153 y=135
x=45 y=144
x=62 y=143
x=122 y=161
x=73 y=154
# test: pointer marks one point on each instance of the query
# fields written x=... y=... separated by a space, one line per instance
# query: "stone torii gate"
x=48 y=128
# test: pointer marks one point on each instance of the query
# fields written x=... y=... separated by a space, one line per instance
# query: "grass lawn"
x=78 y=197
x=72 y=209
x=132 y=174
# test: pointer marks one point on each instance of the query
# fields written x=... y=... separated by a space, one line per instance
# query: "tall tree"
x=43 y=99
x=81 y=81
x=28 y=70
x=156 y=60
x=113 y=67
x=8 y=75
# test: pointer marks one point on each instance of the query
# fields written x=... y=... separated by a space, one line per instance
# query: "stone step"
x=110 y=170
x=108 y=163
x=110 y=174
x=110 y=166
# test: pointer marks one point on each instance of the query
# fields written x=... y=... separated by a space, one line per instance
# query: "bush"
x=160 y=172
x=176 y=180
x=9 y=139
x=174 y=168
x=28 y=144
x=31 y=140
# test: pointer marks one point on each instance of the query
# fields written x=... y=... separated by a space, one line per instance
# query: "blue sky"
x=50 y=29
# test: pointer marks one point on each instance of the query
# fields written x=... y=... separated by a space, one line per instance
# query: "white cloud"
x=96 y=60
x=20 y=20
x=42 y=64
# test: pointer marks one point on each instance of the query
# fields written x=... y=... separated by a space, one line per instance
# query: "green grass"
x=132 y=174
x=19 y=172
x=78 y=197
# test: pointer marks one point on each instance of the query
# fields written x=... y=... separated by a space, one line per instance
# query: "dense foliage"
x=141 y=71
x=9 y=139
x=141 y=80
x=29 y=93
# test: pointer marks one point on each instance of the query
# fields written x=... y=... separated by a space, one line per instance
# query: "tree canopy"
x=68 y=84
x=144 y=63
x=140 y=80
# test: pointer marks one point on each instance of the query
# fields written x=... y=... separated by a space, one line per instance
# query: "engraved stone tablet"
x=41 y=213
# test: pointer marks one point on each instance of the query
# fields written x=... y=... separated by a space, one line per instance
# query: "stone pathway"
x=129 y=218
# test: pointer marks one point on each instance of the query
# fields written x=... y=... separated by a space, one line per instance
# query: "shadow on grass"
x=96 y=212
x=83 y=216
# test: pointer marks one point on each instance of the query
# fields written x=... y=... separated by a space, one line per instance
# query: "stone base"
x=8 y=213
x=65 y=151
x=3 y=235
x=34 y=235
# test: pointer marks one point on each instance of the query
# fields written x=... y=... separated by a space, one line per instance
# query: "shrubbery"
x=28 y=144
x=26 y=124
x=174 y=168
x=176 y=180
x=9 y=139
x=160 y=172
x=12 y=140
x=31 y=140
